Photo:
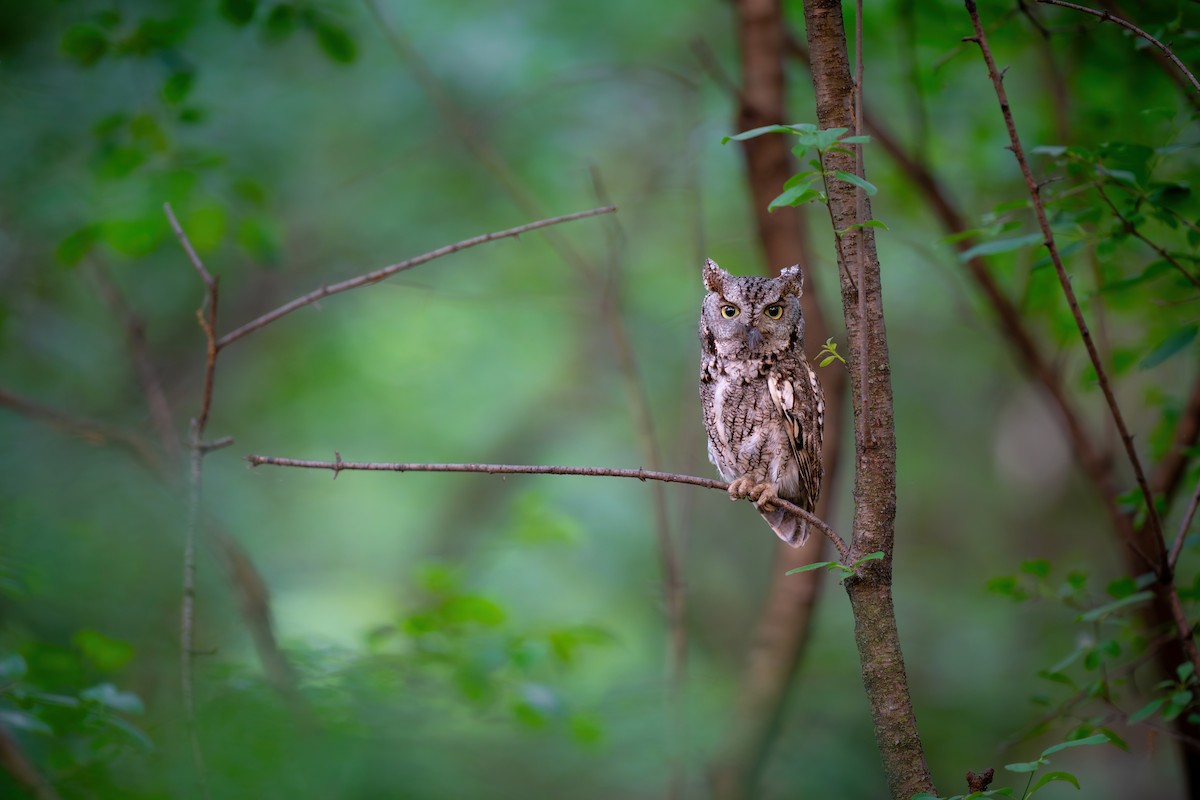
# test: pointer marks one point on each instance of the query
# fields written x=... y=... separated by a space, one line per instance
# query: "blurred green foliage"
x=468 y=636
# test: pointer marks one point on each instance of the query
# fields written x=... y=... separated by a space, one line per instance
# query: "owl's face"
x=747 y=316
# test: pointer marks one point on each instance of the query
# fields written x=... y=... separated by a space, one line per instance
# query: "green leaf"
x=133 y=731
x=877 y=555
x=205 y=226
x=1025 y=766
x=259 y=239
x=1000 y=246
x=1108 y=608
x=12 y=668
x=1170 y=346
x=85 y=43
x=1051 y=777
x=474 y=609
x=871 y=223
x=1185 y=671
x=335 y=41
x=825 y=362
x=1121 y=587
x=23 y=721
x=74 y=248
x=106 y=653
x=110 y=696
x=279 y=24
x=864 y=139
x=239 y=12
x=812 y=566
x=861 y=183
x=756 y=132
x=1098 y=738
x=795 y=196
x=178 y=86
x=1038 y=567
x=134 y=237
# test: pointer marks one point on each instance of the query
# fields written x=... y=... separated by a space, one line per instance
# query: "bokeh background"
x=473 y=636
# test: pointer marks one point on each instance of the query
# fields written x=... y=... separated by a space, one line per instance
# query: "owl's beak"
x=753 y=338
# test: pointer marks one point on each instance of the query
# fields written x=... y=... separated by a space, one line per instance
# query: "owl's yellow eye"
x=774 y=311
x=729 y=312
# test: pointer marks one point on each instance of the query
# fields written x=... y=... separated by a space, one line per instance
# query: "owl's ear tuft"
x=714 y=276
x=793 y=280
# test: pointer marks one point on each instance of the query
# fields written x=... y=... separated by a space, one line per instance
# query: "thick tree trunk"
x=870 y=591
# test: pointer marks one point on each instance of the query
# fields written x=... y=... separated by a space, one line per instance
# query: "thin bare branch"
x=1188 y=516
x=1105 y=16
x=338 y=466
x=206 y=316
x=24 y=773
x=386 y=272
x=1132 y=229
x=143 y=363
x=205 y=276
x=1064 y=280
x=86 y=429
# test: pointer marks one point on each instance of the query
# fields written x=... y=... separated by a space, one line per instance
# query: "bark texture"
x=876 y=634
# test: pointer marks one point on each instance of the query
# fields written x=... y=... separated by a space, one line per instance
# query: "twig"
x=338 y=465
x=1132 y=229
x=1105 y=16
x=143 y=363
x=208 y=279
x=86 y=429
x=206 y=315
x=387 y=272
x=1051 y=246
x=24 y=773
x=1188 y=516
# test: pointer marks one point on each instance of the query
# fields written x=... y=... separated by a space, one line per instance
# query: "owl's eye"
x=774 y=311
x=729 y=312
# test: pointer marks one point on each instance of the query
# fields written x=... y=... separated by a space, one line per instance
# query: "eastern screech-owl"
x=763 y=406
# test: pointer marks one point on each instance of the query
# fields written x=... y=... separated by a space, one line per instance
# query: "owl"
x=763 y=405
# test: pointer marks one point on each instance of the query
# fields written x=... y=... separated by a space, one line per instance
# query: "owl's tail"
x=788 y=527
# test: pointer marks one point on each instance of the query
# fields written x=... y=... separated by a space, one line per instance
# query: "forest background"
x=477 y=636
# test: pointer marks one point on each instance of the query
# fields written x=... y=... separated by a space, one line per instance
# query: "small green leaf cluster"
x=1124 y=219
x=837 y=566
x=467 y=642
x=1031 y=767
x=829 y=353
x=801 y=188
x=78 y=729
x=1109 y=643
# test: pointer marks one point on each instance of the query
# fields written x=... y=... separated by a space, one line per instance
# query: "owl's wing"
x=801 y=405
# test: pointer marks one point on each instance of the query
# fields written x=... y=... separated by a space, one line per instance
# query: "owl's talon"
x=764 y=496
x=741 y=487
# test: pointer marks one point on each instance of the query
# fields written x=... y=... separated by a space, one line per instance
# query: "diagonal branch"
x=386 y=272
x=1064 y=280
x=86 y=429
x=1105 y=16
x=1167 y=593
x=338 y=465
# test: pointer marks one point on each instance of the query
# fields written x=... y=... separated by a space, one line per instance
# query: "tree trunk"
x=876 y=634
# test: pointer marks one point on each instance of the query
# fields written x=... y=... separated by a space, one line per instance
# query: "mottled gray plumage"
x=763 y=405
